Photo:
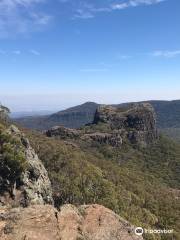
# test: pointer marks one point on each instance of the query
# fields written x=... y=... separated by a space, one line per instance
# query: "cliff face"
x=23 y=178
x=137 y=124
x=138 y=121
x=87 y=222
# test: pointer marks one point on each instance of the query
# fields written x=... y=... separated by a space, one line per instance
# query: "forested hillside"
x=140 y=183
x=119 y=161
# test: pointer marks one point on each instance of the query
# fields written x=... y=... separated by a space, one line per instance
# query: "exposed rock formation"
x=36 y=222
x=137 y=123
x=91 y=222
x=113 y=139
x=63 y=133
x=33 y=185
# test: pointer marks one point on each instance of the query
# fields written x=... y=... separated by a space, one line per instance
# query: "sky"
x=58 y=53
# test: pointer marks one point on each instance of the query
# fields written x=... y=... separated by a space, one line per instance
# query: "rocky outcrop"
x=137 y=120
x=33 y=186
x=93 y=222
x=67 y=134
x=135 y=123
x=36 y=222
x=88 y=222
x=114 y=139
x=63 y=133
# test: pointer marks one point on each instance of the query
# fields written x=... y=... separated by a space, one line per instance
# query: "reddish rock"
x=93 y=222
x=33 y=223
x=43 y=222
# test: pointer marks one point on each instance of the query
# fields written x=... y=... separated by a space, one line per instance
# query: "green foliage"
x=168 y=113
x=168 y=116
x=102 y=127
x=173 y=133
x=12 y=159
x=139 y=184
x=4 y=111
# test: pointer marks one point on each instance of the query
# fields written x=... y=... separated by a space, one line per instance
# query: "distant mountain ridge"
x=22 y=114
x=168 y=113
x=74 y=117
x=168 y=116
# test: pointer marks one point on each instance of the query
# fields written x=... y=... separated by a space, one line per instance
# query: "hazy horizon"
x=58 y=106
x=59 y=53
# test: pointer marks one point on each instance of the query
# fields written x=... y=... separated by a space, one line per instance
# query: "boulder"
x=87 y=222
x=93 y=222
x=62 y=132
x=32 y=223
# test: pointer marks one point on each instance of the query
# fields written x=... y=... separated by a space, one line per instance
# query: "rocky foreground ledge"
x=26 y=204
x=44 y=222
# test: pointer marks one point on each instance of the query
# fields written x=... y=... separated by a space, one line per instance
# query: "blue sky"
x=59 y=53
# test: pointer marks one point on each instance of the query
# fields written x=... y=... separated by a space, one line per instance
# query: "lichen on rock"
x=25 y=180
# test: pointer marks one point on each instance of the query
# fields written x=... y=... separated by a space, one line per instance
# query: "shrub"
x=12 y=159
